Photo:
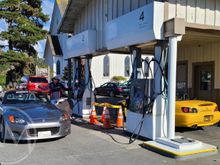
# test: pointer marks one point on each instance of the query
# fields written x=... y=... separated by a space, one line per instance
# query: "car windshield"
x=17 y=97
x=126 y=83
x=38 y=80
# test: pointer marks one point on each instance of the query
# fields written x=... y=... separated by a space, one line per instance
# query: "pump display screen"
x=138 y=95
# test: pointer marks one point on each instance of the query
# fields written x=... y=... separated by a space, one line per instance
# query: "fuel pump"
x=82 y=93
x=144 y=116
x=79 y=80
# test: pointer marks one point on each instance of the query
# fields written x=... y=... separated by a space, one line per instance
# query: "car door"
x=102 y=89
x=109 y=88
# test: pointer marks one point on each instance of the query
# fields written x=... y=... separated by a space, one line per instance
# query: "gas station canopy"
x=74 y=8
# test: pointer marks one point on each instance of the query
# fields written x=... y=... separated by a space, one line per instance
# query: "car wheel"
x=111 y=94
x=218 y=124
x=2 y=130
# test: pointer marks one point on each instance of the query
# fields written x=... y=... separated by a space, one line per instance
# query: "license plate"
x=44 y=134
x=208 y=118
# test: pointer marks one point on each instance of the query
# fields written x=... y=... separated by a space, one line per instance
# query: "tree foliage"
x=24 y=20
x=40 y=62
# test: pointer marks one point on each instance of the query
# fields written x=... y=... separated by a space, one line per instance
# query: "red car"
x=34 y=82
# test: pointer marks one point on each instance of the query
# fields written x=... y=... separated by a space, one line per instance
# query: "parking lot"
x=92 y=145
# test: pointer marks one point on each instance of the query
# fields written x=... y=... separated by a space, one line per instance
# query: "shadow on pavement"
x=32 y=141
x=110 y=132
x=185 y=129
x=85 y=124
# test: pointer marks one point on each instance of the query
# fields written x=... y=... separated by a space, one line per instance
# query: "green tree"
x=24 y=19
x=40 y=62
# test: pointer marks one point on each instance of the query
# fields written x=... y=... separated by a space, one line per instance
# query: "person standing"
x=56 y=88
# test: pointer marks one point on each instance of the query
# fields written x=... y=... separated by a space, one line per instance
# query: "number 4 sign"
x=142 y=16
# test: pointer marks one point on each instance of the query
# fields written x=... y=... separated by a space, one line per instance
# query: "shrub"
x=118 y=78
x=2 y=79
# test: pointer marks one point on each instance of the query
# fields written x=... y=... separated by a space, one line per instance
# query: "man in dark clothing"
x=56 y=89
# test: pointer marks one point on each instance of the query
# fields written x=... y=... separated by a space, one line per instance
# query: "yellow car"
x=196 y=113
x=192 y=113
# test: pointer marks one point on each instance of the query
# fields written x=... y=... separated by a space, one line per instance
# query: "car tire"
x=218 y=124
x=2 y=130
x=111 y=94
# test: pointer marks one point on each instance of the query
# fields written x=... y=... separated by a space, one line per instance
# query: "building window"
x=181 y=81
x=205 y=80
x=127 y=66
x=58 y=67
x=106 y=66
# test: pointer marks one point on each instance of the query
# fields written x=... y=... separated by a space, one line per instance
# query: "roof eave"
x=71 y=14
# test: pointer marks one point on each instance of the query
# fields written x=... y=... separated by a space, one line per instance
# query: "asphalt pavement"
x=92 y=145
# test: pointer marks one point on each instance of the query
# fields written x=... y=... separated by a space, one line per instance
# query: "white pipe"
x=158 y=111
x=172 y=61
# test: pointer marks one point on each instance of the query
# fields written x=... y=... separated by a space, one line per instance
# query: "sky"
x=47 y=6
x=47 y=9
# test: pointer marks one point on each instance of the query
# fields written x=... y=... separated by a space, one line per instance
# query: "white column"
x=160 y=121
x=54 y=67
x=157 y=71
x=172 y=61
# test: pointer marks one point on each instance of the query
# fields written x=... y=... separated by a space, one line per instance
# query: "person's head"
x=55 y=80
x=12 y=67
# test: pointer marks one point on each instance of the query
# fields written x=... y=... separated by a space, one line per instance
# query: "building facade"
x=182 y=35
x=104 y=67
x=198 y=51
x=53 y=53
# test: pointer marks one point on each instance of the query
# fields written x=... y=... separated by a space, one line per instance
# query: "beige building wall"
x=205 y=12
x=202 y=53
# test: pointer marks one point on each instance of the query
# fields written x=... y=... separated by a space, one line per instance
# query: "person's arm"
x=54 y=87
x=44 y=88
x=64 y=88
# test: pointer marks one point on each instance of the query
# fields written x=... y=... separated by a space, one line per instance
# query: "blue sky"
x=47 y=9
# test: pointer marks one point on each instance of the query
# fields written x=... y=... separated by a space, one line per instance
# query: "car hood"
x=34 y=112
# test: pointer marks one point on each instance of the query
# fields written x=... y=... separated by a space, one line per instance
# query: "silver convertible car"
x=26 y=115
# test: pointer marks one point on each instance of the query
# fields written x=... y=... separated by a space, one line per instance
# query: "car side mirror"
x=24 y=80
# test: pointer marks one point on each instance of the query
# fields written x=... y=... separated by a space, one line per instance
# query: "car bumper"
x=191 y=120
x=38 y=131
